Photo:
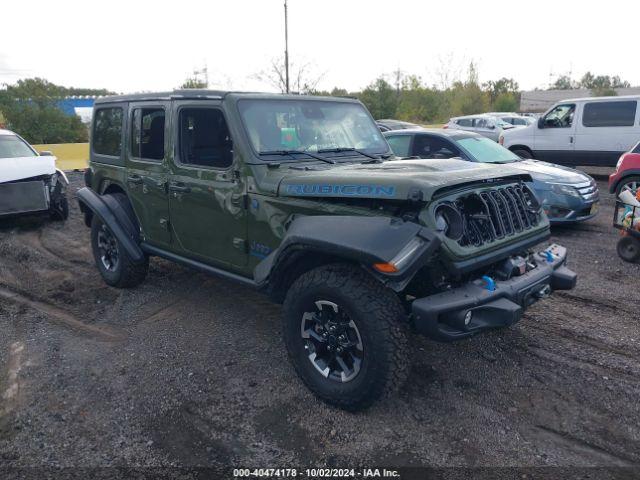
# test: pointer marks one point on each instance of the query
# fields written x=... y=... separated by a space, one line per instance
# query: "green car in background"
x=298 y=197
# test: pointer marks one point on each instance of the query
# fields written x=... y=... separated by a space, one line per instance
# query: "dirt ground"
x=190 y=370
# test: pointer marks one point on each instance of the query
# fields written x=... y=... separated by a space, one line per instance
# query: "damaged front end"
x=490 y=267
x=43 y=193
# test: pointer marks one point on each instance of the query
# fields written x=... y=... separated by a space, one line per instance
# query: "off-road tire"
x=380 y=319
x=629 y=249
x=126 y=273
x=526 y=154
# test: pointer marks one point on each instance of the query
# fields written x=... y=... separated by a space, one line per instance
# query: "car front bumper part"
x=23 y=197
x=483 y=304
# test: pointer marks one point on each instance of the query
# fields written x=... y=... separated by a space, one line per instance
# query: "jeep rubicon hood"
x=12 y=169
x=397 y=179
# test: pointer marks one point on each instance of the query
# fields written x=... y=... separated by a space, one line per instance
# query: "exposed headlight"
x=562 y=189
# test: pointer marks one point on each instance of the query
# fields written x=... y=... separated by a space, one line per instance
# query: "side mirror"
x=541 y=122
x=46 y=153
x=491 y=127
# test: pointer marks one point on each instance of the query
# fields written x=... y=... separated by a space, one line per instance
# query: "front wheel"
x=629 y=184
x=525 y=154
x=59 y=209
x=346 y=335
x=115 y=266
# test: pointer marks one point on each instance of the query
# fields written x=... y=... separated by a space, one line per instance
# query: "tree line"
x=30 y=107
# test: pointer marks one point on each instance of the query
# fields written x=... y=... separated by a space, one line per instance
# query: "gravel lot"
x=190 y=370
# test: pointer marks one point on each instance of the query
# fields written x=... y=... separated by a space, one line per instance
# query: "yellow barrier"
x=71 y=156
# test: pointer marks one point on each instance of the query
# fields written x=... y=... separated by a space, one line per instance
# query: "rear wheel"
x=345 y=334
x=629 y=249
x=112 y=260
x=629 y=184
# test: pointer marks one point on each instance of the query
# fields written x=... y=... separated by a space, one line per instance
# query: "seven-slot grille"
x=497 y=213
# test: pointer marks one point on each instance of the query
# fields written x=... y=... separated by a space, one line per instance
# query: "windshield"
x=310 y=126
x=12 y=146
x=487 y=151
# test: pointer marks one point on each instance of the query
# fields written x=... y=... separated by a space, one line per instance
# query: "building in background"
x=541 y=100
x=80 y=105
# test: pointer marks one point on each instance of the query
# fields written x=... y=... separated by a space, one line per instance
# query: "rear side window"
x=480 y=123
x=147 y=133
x=400 y=144
x=609 y=114
x=107 y=131
x=205 y=140
x=464 y=122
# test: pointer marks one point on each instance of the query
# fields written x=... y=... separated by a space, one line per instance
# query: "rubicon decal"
x=349 y=190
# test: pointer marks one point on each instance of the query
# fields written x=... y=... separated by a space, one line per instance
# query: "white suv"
x=581 y=131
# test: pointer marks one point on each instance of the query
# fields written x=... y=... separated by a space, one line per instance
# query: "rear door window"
x=609 y=114
x=480 y=123
x=147 y=133
x=464 y=122
x=107 y=131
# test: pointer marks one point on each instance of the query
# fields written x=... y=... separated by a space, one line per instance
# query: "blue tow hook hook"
x=549 y=256
x=491 y=284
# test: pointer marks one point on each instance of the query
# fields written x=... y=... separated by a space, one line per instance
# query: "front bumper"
x=442 y=316
x=563 y=208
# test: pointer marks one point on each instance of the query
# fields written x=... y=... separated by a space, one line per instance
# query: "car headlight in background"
x=562 y=189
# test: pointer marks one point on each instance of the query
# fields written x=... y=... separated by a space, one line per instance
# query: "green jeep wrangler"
x=301 y=198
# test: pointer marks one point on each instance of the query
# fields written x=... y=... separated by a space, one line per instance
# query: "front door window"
x=560 y=117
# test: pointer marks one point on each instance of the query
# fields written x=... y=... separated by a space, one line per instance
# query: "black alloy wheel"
x=332 y=342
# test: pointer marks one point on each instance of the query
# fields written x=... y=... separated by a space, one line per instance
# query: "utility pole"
x=286 y=46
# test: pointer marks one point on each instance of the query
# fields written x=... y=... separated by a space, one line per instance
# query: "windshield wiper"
x=349 y=149
x=291 y=153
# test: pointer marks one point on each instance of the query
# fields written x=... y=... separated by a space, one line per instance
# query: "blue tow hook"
x=491 y=284
x=549 y=255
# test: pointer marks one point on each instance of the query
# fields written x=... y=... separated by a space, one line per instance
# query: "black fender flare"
x=115 y=215
x=358 y=239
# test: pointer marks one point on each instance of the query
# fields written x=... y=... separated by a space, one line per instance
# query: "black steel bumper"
x=445 y=316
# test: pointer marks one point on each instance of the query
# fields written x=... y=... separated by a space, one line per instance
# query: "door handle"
x=179 y=188
x=135 y=179
x=571 y=139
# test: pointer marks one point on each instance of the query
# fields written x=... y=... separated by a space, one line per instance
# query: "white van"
x=580 y=131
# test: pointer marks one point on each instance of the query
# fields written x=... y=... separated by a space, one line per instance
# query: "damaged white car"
x=30 y=181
